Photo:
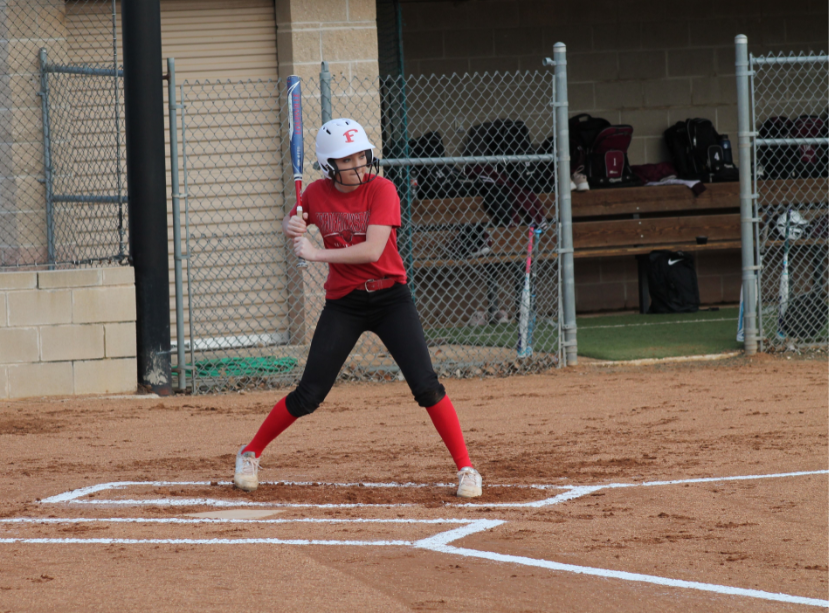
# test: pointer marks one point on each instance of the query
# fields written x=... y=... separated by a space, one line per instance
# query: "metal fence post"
x=325 y=93
x=47 y=158
x=747 y=218
x=194 y=374
x=173 y=107
x=566 y=217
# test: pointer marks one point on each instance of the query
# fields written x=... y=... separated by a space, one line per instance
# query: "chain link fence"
x=791 y=166
x=62 y=164
x=473 y=158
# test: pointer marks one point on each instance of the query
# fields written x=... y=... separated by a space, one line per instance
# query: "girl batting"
x=358 y=213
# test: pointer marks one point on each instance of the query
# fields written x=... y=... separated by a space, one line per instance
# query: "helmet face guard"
x=341 y=138
x=372 y=163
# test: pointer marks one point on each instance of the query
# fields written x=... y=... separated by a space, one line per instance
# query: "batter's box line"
x=572 y=492
x=469 y=524
x=439 y=543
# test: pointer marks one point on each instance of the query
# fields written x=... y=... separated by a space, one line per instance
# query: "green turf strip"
x=615 y=337
x=634 y=336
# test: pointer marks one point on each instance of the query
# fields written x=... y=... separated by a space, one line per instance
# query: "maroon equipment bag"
x=607 y=160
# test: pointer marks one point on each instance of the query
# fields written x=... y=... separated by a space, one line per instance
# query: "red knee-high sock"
x=446 y=422
x=275 y=424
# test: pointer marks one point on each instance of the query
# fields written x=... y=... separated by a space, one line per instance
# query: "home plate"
x=234 y=514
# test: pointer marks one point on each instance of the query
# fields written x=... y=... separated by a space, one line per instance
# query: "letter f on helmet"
x=331 y=146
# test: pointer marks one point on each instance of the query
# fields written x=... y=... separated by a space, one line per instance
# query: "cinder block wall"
x=648 y=63
x=607 y=284
x=66 y=332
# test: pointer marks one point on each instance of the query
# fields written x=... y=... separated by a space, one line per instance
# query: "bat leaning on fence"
x=297 y=145
x=784 y=280
x=526 y=309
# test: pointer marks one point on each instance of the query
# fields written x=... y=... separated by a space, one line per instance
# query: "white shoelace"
x=467 y=477
x=250 y=465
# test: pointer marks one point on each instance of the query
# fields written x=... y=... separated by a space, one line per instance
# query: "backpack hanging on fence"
x=697 y=152
x=506 y=203
x=504 y=137
x=793 y=161
x=439 y=181
x=812 y=160
x=600 y=149
x=507 y=188
x=672 y=282
x=776 y=161
x=544 y=173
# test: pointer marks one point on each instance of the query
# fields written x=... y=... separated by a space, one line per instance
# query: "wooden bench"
x=637 y=220
x=629 y=221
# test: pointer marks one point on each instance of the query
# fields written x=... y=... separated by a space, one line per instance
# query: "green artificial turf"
x=615 y=337
x=635 y=336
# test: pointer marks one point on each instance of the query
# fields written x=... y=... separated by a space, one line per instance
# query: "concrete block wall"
x=648 y=63
x=342 y=32
x=610 y=284
x=66 y=332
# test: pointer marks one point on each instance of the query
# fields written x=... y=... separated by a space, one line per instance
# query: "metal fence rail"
x=474 y=161
x=62 y=171
x=790 y=100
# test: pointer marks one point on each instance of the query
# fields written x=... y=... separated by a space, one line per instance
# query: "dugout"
x=648 y=64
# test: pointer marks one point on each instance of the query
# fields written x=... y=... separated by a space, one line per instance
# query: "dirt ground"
x=610 y=548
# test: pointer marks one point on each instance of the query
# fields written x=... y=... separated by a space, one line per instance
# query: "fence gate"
x=84 y=162
x=790 y=99
x=474 y=161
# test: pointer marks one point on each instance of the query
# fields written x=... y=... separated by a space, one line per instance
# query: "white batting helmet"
x=339 y=138
x=797 y=225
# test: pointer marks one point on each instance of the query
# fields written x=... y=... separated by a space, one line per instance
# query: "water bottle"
x=726 y=149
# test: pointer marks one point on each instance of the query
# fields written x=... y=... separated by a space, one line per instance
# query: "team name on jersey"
x=342 y=223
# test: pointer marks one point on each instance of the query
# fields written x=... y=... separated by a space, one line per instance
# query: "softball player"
x=358 y=213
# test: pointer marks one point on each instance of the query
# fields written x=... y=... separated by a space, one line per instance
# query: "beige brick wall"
x=67 y=332
x=649 y=64
x=342 y=32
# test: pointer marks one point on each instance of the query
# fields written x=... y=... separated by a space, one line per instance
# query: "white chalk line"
x=471 y=527
x=626 y=576
x=439 y=543
x=260 y=541
x=222 y=520
x=658 y=323
x=572 y=492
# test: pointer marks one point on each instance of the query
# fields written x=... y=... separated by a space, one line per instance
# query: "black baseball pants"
x=389 y=313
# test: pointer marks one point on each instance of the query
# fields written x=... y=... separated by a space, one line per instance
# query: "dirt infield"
x=606 y=489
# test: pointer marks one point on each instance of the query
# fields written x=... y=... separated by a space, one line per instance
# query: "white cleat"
x=247 y=470
x=469 y=482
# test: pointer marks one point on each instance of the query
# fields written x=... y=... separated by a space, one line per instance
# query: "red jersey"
x=343 y=220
